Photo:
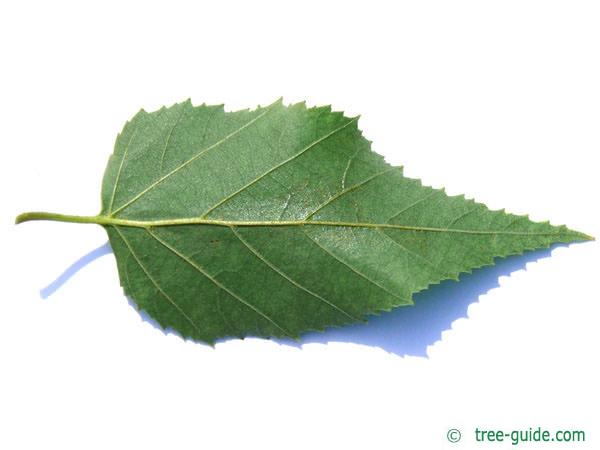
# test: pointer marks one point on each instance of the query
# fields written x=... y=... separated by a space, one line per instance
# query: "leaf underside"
x=298 y=224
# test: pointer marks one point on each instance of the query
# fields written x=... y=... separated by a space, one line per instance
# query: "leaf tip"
x=572 y=236
x=586 y=237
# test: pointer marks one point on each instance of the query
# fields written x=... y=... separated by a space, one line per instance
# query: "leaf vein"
x=273 y=169
x=410 y=252
x=154 y=282
x=217 y=282
x=117 y=179
x=349 y=189
x=412 y=205
x=348 y=167
x=192 y=159
x=168 y=140
x=356 y=271
x=288 y=278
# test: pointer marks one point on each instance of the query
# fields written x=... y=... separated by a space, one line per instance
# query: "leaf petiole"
x=39 y=215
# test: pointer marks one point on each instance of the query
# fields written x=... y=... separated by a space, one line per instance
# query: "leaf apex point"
x=583 y=236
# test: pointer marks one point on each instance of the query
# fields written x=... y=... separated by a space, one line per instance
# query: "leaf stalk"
x=40 y=215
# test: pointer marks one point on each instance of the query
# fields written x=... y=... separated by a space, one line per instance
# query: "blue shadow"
x=104 y=249
x=408 y=331
x=404 y=331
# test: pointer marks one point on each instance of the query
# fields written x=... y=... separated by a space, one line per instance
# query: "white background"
x=498 y=100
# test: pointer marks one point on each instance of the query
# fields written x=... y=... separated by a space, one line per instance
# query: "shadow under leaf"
x=408 y=331
x=404 y=331
x=68 y=273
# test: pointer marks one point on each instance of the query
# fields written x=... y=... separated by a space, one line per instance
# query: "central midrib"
x=106 y=220
x=114 y=221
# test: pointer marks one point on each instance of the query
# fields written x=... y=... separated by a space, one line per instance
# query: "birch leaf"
x=280 y=220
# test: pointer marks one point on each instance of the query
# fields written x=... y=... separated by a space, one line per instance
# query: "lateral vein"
x=349 y=189
x=282 y=163
x=155 y=283
x=217 y=282
x=192 y=159
x=112 y=198
x=288 y=278
x=353 y=269
x=168 y=140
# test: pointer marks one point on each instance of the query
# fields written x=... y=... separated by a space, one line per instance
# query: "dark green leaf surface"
x=281 y=220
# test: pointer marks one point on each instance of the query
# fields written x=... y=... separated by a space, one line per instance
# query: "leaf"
x=281 y=220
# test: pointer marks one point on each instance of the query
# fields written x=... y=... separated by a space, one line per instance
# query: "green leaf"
x=281 y=220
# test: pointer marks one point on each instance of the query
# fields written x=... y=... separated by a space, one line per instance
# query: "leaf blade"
x=287 y=211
